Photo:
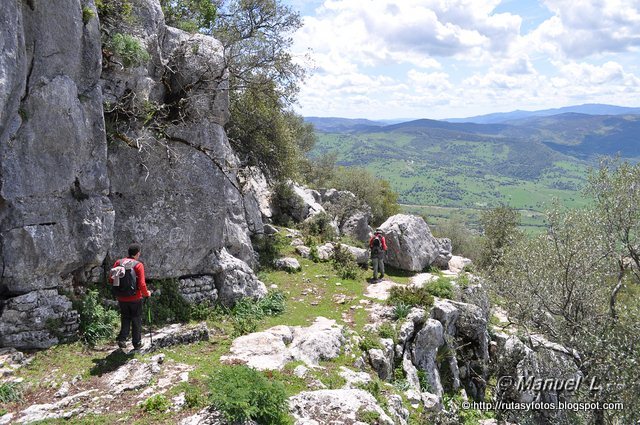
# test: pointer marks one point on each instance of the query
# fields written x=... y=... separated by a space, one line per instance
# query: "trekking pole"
x=148 y=302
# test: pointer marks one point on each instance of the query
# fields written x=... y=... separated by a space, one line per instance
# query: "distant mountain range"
x=589 y=109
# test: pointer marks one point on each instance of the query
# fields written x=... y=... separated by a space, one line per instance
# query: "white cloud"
x=437 y=58
x=582 y=28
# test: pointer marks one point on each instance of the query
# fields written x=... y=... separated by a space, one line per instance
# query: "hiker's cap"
x=378 y=230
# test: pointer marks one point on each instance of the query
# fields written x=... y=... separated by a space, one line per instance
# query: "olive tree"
x=558 y=284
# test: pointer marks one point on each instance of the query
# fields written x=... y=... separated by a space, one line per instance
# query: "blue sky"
x=382 y=59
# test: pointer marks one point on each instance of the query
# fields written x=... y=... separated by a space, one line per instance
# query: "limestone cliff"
x=95 y=154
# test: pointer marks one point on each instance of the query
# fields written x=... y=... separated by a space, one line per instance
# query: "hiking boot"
x=382 y=276
x=122 y=344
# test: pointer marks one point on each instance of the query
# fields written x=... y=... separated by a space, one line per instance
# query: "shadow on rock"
x=110 y=363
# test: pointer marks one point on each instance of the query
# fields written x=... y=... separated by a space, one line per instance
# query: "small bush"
x=287 y=202
x=129 y=49
x=156 y=404
x=441 y=288
x=202 y=311
x=424 y=382
x=387 y=330
x=344 y=263
x=242 y=393
x=269 y=248
x=320 y=226
x=10 y=392
x=313 y=254
x=97 y=323
x=167 y=304
x=247 y=312
x=411 y=296
x=369 y=341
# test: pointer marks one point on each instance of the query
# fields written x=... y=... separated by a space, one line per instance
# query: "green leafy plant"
x=320 y=226
x=10 y=392
x=411 y=296
x=156 y=404
x=344 y=263
x=369 y=341
x=194 y=398
x=97 y=323
x=424 y=382
x=246 y=313
x=401 y=310
x=269 y=248
x=441 y=288
x=129 y=49
x=242 y=393
x=387 y=330
x=87 y=14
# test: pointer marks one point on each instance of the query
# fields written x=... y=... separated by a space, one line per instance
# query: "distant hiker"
x=129 y=286
x=378 y=247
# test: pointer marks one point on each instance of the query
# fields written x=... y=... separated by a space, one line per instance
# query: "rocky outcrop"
x=79 y=181
x=335 y=406
x=352 y=217
x=289 y=264
x=411 y=246
x=276 y=346
x=535 y=361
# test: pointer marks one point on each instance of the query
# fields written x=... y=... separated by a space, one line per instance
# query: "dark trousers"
x=131 y=319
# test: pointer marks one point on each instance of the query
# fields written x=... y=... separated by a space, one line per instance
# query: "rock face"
x=540 y=360
x=56 y=218
x=79 y=181
x=411 y=246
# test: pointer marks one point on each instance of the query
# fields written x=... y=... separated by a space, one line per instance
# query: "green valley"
x=440 y=169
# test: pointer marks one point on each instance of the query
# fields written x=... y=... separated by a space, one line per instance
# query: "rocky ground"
x=315 y=348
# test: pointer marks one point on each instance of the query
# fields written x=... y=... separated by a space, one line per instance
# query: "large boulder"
x=335 y=407
x=234 y=279
x=410 y=244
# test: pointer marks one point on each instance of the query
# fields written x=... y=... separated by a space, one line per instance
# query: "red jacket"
x=142 y=285
x=382 y=240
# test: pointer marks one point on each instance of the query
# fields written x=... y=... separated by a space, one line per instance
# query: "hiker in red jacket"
x=378 y=247
x=129 y=271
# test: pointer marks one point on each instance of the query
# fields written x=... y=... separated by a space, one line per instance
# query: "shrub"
x=10 y=392
x=410 y=296
x=167 y=304
x=424 y=382
x=320 y=225
x=286 y=202
x=242 y=393
x=344 y=263
x=156 y=404
x=369 y=341
x=97 y=323
x=129 y=49
x=441 y=288
x=269 y=248
x=201 y=311
x=387 y=330
x=194 y=398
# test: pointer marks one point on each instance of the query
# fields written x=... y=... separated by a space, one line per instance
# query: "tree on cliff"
x=263 y=76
